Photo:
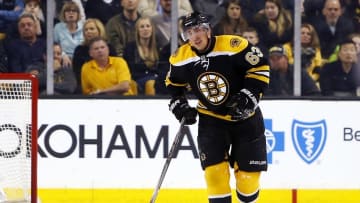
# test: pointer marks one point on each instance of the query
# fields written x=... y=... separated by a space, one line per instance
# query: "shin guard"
x=247 y=186
x=217 y=179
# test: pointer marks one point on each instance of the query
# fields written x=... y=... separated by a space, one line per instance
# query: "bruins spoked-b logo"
x=235 y=42
x=214 y=87
x=309 y=139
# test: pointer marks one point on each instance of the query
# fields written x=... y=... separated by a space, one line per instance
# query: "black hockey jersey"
x=229 y=65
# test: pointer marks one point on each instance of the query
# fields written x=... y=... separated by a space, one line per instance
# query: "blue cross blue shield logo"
x=309 y=139
x=274 y=140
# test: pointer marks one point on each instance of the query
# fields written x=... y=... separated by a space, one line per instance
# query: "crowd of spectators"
x=135 y=34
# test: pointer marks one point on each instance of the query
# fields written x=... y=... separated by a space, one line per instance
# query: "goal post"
x=18 y=137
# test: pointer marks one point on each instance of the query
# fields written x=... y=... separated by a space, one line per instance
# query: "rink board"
x=192 y=196
x=120 y=145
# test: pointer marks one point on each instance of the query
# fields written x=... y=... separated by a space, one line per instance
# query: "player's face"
x=198 y=36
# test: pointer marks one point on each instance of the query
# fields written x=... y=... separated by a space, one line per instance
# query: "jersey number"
x=253 y=56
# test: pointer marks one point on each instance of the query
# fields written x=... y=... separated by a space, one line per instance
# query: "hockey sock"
x=247 y=185
x=217 y=179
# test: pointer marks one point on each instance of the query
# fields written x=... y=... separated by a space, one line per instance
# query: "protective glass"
x=190 y=31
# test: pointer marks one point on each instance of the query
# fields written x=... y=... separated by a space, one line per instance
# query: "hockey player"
x=228 y=76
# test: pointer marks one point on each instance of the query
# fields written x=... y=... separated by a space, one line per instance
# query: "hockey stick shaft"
x=174 y=146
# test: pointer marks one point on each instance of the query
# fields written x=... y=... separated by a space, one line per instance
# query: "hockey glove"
x=181 y=109
x=242 y=105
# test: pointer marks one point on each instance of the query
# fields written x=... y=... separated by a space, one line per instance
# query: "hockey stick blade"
x=174 y=146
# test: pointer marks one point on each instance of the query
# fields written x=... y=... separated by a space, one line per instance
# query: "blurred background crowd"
x=121 y=47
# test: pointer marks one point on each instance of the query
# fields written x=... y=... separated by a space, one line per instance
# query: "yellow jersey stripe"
x=258 y=77
x=168 y=82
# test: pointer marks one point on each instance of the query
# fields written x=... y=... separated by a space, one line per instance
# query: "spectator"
x=250 y=8
x=355 y=37
x=59 y=4
x=104 y=74
x=143 y=57
x=252 y=36
x=32 y=7
x=102 y=9
x=121 y=28
x=26 y=50
x=311 y=58
x=64 y=78
x=92 y=28
x=332 y=27
x=39 y=71
x=9 y=13
x=154 y=7
x=274 y=25
x=164 y=64
x=232 y=23
x=282 y=76
x=341 y=78
x=162 y=22
x=68 y=32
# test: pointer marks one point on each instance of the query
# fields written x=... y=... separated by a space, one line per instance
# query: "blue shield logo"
x=309 y=139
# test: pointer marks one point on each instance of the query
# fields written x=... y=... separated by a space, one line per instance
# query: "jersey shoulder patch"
x=230 y=43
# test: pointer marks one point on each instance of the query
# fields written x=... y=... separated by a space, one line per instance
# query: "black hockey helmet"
x=192 y=20
x=195 y=19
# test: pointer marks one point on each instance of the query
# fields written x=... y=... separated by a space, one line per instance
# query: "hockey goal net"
x=18 y=138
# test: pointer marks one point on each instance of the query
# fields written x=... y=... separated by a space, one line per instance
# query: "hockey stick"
x=174 y=146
